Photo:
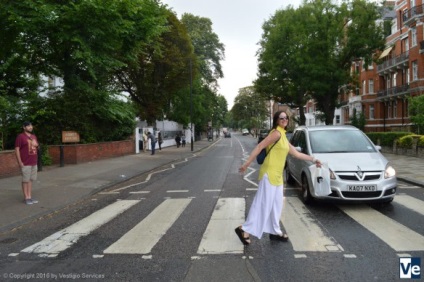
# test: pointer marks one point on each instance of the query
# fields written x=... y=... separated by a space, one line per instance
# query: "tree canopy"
x=100 y=49
x=307 y=52
x=250 y=109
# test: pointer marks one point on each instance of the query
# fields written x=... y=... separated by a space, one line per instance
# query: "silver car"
x=358 y=171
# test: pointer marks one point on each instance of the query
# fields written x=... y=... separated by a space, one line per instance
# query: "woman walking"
x=264 y=214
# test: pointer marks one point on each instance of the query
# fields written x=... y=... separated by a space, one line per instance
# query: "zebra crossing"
x=307 y=233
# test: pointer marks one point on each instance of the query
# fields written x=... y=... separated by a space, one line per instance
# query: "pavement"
x=58 y=187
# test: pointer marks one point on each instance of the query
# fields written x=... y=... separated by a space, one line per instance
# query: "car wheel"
x=289 y=178
x=306 y=193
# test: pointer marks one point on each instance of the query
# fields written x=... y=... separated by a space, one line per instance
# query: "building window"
x=394 y=26
x=414 y=36
x=395 y=109
x=337 y=119
x=370 y=86
x=408 y=77
x=371 y=111
x=405 y=44
x=414 y=71
x=364 y=85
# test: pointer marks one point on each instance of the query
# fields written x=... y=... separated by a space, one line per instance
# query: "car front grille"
x=361 y=195
x=355 y=176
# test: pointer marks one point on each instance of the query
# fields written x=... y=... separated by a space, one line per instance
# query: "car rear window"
x=340 y=141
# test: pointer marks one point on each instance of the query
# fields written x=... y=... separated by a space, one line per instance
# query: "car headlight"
x=389 y=172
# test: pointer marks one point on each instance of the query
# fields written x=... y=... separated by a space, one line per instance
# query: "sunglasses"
x=284 y=118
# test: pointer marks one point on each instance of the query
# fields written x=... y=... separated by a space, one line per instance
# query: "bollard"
x=39 y=159
x=62 y=156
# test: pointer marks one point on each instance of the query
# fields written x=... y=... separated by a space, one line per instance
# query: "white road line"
x=305 y=232
x=396 y=235
x=144 y=236
x=177 y=191
x=150 y=174
x=212 y=190
x=219 y=237
x=140 y=192
x=406 y=186
x=65 y=238
x=410 y=203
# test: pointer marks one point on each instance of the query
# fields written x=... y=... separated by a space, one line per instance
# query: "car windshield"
x=340 y=141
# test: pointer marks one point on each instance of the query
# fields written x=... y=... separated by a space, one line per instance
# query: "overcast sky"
x=238 y=24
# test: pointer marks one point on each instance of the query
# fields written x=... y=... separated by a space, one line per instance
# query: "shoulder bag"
x=262 y=155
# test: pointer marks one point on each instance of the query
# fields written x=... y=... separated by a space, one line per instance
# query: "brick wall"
x=73 y=154
x=8 y=164
x=81 y=153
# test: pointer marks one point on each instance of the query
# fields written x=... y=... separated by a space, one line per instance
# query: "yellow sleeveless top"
x=275 y=159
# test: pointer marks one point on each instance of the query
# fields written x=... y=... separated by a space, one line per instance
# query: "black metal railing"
x=394 y=91
x=393 y=62
x=412 y=13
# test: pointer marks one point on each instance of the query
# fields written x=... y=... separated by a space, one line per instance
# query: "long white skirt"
x=265 y=212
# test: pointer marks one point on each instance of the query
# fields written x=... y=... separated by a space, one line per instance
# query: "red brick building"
x=383 y=89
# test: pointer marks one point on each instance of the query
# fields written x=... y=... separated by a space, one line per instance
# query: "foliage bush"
x=421 y=141
x=405 y=142
x=386 y=138
x=46 y=159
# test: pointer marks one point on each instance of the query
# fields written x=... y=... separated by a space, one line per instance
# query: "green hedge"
x=421 y=141
x=405 y=142
x=386 y=138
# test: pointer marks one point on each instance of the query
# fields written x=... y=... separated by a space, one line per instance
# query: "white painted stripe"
x=300 y=256
x=140 y=192
x=177 y=191
x=212 y=190
x=251 y=189
x=143 y=237
x=349 y=255
x=304 y=230
x=410 y=203
x=219 y=237
x=65 y=238
x=396 y=235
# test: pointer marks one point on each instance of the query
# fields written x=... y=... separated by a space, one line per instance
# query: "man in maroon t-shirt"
x=26 y=146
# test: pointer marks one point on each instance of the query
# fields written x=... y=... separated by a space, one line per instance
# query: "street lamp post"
x=191 y=107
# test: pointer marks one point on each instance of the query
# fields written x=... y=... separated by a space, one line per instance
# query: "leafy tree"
x=160 y=72
x=416 y=112
x=84 y=42
x=207 y=47
x=358 y=120
x=307 y=52
x=249 y=109
x=207 y=105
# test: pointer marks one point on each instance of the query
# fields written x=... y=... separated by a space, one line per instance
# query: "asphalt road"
x=177 y=224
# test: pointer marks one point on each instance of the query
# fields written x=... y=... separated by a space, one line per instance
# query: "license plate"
x=361 y=188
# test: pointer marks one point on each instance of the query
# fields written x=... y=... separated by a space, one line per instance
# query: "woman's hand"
x=243 y=168
x=317 y=162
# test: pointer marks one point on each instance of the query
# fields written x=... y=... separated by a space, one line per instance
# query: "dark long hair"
x=276 y=117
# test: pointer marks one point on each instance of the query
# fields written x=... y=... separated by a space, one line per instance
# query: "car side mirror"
x=378 y=147
x=298 y=149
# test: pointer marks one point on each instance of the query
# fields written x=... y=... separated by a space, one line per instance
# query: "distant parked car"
x=358 y=171
x=245 y=132
x=263 y=133
x=227 y=134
